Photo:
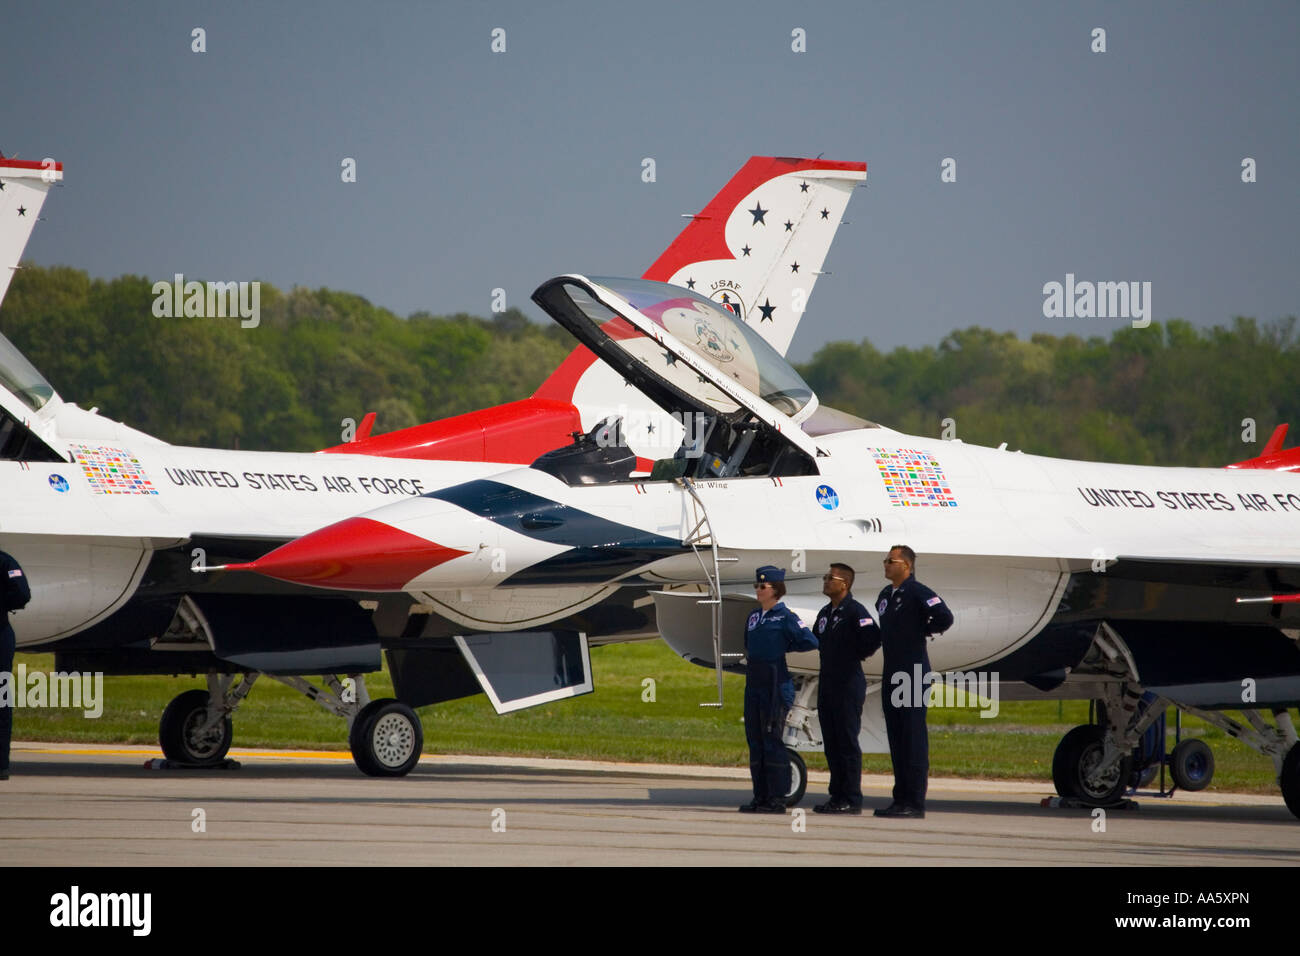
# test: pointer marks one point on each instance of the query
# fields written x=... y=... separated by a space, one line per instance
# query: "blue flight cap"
x=769 y=574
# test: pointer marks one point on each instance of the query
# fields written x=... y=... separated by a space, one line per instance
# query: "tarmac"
x=91 y=805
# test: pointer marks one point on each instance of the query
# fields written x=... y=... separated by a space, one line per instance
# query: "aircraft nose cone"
x=357 y=554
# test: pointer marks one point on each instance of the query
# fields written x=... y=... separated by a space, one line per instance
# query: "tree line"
x=1167 y=394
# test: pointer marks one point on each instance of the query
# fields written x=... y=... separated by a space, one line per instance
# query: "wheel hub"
x=1094 y=784
x=202 y=743
x=394 y=740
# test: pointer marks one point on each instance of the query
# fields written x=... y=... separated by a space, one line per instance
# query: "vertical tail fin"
x=23 y=185
x=757 y=247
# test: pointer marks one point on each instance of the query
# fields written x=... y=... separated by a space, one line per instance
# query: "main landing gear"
x=801 y=729
x=1093 y=764
x=798 y=778
x=1084 y=770
x=385 y=736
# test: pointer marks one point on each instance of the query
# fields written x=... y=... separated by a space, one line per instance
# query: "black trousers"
x=769 y=763
x=7 y=645
x=839 y=709
x=909 y=750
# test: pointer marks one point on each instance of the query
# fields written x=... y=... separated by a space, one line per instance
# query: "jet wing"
x=1185 y=590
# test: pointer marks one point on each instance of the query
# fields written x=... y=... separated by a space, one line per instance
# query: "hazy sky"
x=478 y=170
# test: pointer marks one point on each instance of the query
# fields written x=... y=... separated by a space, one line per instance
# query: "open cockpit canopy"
x=698 y=361
x=20 y=377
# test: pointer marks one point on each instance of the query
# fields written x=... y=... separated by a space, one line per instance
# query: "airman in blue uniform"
x=770 y=631
x=14 y=595
x=909 y=614
x=847 y=636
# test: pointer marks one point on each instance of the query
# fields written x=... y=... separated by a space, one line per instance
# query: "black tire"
x=176 y=731
x=1192 y=765
x=1078 y=752
x=798 y=778
x=1290 y=779
x=386 y=739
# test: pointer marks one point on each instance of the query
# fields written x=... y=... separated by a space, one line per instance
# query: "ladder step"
x=732 y=654
x=720 y=560
x=709 y=601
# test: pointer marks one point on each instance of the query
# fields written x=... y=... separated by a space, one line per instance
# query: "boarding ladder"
x=699 y=537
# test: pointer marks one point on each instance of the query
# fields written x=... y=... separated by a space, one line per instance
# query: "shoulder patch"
x=884 y=603
x=753 y=621
x=933 y=601
x=16 y=573
x=866 y=622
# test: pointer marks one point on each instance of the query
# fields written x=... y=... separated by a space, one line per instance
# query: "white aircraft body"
x=1067 y=578
x=109 y=522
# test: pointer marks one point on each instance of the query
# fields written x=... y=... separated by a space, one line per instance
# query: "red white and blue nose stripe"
x=358 y=554
x=479 y=534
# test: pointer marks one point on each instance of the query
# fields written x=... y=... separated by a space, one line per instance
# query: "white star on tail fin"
x=763 y=239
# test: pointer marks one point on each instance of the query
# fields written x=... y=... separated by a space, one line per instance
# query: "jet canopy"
x=20 y=377
x=711 y=332
x=695 y=359
x=717 y=335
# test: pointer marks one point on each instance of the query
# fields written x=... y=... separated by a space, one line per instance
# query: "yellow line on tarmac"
x=237 y=754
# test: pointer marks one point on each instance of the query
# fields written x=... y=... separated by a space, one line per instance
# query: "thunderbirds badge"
x=827 y=498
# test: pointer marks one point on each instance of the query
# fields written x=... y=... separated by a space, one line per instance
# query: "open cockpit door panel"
x=21 y=385
x=28 y=404
x=738 y=401
x=19 y=443
x=520 y=669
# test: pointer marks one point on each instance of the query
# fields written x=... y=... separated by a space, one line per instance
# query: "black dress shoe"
x=885 y=811
x=903 y=813
x=751 y=807
x=771 y=806
x=837 y=806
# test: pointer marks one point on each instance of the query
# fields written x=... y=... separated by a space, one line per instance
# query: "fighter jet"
x=109 y=522
x=1068 y=579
